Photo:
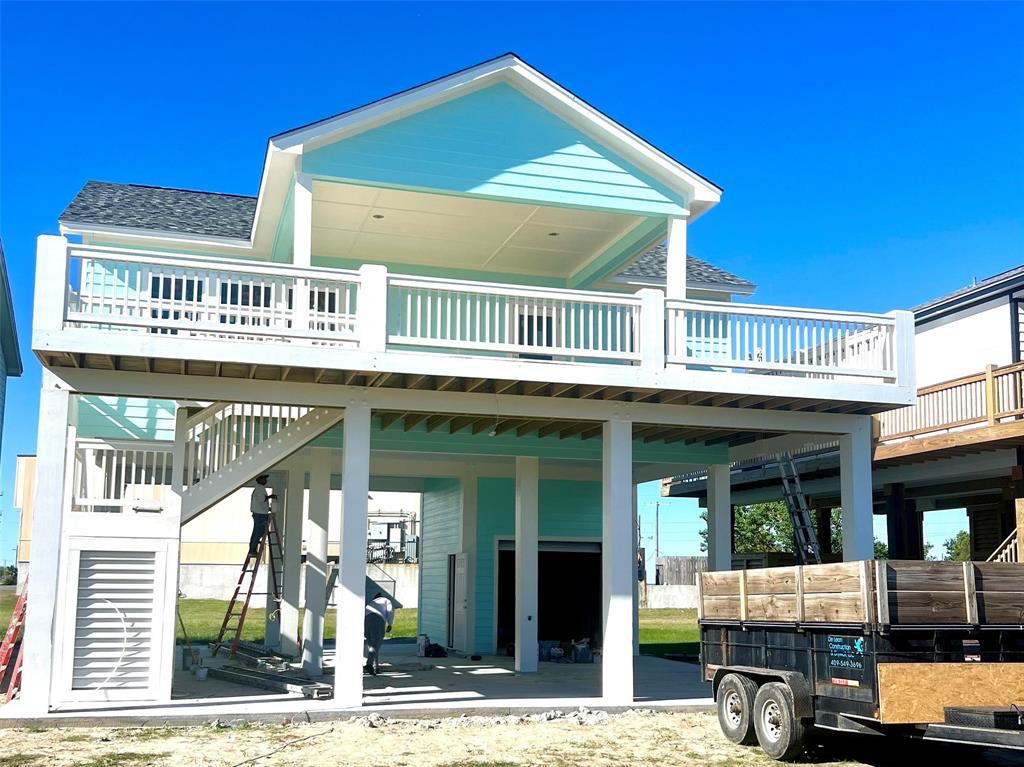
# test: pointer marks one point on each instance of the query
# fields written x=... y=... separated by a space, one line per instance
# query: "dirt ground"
x=589 y=738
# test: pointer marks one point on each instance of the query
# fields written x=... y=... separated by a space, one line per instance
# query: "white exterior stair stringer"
x=257 y=460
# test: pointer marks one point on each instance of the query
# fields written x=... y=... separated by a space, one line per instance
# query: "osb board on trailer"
x=828 y=593
x=917 y=693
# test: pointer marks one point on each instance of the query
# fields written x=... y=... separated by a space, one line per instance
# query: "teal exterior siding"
x=495 y=142
x=441 y=520
x=125 y=418
x=3 y=391
x=568 y=510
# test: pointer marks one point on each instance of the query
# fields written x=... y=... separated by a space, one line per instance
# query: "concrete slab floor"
x=406 y=686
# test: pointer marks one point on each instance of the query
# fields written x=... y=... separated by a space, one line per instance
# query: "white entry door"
x=460 y=604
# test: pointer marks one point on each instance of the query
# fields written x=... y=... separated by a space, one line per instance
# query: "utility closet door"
x=461 y=604
x=117 y=620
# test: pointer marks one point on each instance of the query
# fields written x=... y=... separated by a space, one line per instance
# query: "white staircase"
x=229 y=443
x=1008 y=550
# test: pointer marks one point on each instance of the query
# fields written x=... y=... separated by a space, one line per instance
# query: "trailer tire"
x=779 y=732
x=736 y=695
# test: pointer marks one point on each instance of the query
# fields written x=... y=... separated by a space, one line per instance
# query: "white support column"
x=719 y=518
x=856 y=492
x=57 y=429
x=351 y=592
x=527 y=546
x=467 y=619
x=372 y=308
x=636 y=573
x=316 y=562
x=294 y=499
x=652 y=330
x=618 y=563
x=675 y=260
x=302 y=243
x=272 y=613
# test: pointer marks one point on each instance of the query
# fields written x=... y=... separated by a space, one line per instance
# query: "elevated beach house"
x=477 y=289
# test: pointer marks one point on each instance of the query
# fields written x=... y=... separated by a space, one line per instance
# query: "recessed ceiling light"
x=378 y=215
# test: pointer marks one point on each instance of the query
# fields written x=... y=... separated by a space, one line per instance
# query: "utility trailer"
x=925 y=649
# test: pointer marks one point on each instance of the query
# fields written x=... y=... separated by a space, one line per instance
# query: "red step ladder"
x=7 y=647
x=234 y=618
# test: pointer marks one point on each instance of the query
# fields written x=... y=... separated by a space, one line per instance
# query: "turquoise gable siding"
x=3 y=390
x=441 y=519
x=495 y=142
x=568 y=510
x=125 y=418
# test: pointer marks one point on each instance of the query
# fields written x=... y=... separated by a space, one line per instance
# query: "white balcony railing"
x=148 y=292
x=152 y=292
x=484 y=317
x=781 y=340
x=120 y=477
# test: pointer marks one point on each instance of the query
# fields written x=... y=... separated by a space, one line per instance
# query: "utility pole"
x=657 y=541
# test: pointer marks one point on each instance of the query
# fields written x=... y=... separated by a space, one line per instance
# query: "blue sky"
x=870 y=153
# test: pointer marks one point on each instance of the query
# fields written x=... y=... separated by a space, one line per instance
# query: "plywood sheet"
x=772 y=580
x=917 y=693
x=832 y=578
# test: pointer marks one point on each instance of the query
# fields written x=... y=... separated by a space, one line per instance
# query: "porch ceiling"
x=563 y=428
x=374 y=224
x=390 y=380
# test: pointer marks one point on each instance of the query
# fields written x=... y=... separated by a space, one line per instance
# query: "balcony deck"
x=157 y=312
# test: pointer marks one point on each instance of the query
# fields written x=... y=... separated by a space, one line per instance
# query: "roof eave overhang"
x=714 y=287
x=969 y=299
x=80 y=228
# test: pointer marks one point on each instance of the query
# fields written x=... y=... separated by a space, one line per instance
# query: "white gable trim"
x=550 y=94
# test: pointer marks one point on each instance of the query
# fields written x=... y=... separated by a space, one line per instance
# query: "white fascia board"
x=389 y=108
x=72 y=227
x=676 y=378
x=643 y=154
x=656 y=282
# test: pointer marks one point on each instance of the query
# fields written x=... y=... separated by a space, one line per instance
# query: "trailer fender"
x=797 y=683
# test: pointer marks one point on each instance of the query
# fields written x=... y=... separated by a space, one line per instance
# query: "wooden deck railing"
x=992 y=396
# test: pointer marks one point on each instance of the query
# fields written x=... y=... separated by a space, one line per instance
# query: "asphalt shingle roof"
x=651 y=265
x=183 y=211
x=156 y=208
x=1010 y=275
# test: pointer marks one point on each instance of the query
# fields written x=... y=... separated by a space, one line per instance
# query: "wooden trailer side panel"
x=918 y=693
x=839 y=592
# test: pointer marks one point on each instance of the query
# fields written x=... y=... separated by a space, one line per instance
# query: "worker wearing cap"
x=259 y=505
x=380 y=614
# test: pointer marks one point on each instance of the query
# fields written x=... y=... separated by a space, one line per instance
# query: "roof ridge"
x=174 y=189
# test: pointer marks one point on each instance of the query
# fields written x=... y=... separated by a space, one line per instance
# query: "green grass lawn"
x=203 y=618
x=668 y=631
x=661 y=631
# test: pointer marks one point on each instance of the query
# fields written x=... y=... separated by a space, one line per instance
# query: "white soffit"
x=364 y=223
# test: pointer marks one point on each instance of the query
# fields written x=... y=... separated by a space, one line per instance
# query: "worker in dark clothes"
x=260 y=506
x=380 y=614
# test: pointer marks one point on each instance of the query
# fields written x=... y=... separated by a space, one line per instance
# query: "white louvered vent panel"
x=114 y=620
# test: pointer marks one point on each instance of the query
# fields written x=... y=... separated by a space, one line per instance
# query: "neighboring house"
x=960 y=446
x=453 y=286
x=10 y=357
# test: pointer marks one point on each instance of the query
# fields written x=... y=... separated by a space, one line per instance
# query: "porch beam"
x=173 y=386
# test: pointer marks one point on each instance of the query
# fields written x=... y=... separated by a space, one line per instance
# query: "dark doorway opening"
x=568 y=595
